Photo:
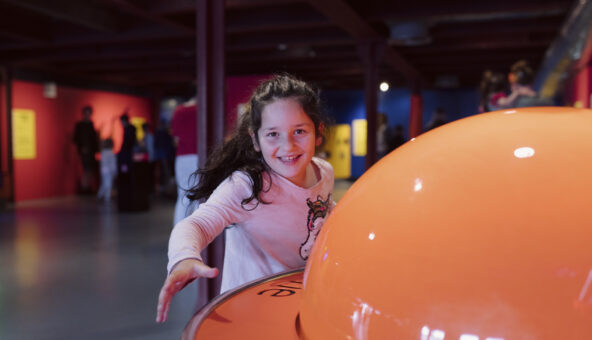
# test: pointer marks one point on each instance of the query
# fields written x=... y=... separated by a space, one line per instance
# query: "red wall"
x=238 y=90
x=55 y=169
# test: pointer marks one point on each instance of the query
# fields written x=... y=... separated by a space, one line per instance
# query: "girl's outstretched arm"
x=181 y=275
x=190 y=236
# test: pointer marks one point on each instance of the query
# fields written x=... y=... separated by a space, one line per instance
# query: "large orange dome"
x=480 y=229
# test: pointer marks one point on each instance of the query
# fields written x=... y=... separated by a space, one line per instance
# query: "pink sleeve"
x=190 y=236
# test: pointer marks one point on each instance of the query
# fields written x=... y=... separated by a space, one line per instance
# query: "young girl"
x=108 y=166
x=108 y=169
x=264 y=183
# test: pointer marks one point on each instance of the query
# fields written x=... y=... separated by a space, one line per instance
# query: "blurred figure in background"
x=520 y=78
x=147 y=142
x=86 y=141
x=108 y=170
x=164 y=154
x=438 y=118
x=126 y=153
x=493 y=89
x=125 y=185
x=184 y=132
x=397 y=138
x=382 y=135
x=147 y=145
x=108 y=165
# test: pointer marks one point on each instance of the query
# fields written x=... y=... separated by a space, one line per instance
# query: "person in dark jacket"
x=126 y=153
x=86 y=140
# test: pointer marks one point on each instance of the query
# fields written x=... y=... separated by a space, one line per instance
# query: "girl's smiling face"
x=287 y=139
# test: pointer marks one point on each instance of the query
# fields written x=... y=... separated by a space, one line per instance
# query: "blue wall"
x=345 y=106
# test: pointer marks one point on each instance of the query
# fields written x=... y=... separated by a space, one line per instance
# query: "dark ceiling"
x=151 y=43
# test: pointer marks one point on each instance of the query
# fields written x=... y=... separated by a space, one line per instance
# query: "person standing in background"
x=438 y=118
x=522 y=94
x=397 y=138
x=164 y=159
x=86 y=140
x=147 y=145
x=147 y=142
x=184 y=131
x=493 y=89
x=125 y=184
x=108 y=170
x=108 y=165
x=382 y=135
x=126 y=153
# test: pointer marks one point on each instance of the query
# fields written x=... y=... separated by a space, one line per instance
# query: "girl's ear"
x=254 y=139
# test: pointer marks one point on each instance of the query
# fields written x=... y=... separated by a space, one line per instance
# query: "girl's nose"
x=288 y=142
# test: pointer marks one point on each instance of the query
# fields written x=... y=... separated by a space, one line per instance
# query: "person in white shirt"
x=108 y=170
x=265 y=183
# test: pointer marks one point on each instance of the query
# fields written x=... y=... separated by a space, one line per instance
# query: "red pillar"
x=582 y=87
x=415 y=116
x=211 y=92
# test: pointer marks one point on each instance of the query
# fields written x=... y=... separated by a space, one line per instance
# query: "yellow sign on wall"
x=339 y=150
x=137 y=122
x=23 y=134
x=360 y=128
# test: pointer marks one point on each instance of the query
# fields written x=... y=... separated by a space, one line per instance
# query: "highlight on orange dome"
x=479 y=229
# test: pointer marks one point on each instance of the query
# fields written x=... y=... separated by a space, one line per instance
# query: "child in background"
x=108 y=164
x=494 y=88
x=522 y=94
x=108 y=169
x=264 y=182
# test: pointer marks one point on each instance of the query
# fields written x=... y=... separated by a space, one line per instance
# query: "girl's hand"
x=182 y=274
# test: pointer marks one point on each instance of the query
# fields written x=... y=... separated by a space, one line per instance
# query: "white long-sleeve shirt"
x=262 y=241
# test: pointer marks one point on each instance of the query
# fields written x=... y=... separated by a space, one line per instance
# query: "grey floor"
x=74 y=269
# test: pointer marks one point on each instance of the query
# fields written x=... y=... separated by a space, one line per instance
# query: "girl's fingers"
x=165 y=313
x=178 y=279
x=171 y=286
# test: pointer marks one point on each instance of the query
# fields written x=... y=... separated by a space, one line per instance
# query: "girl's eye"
x=272 y=134
x=299 y=131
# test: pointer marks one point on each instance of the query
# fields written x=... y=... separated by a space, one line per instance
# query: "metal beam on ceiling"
x=81 y=13
x=345 y=17
x=131 y=8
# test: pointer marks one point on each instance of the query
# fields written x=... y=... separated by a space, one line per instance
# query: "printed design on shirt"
x=317 y=210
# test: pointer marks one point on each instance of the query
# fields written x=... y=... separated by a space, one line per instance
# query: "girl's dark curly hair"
x=238 y=153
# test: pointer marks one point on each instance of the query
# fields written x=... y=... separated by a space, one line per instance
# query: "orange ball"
x=479 y=229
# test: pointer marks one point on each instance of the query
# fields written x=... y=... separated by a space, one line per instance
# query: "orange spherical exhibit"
x=479 y=229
